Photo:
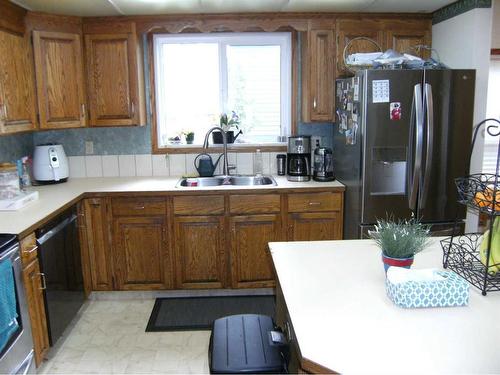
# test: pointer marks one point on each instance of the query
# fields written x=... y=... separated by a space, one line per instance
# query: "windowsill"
x=233 y=147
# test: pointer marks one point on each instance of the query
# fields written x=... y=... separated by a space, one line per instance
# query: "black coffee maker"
x=298 y=166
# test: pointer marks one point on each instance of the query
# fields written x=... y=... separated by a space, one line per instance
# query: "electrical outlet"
x=89 y=148
x=315 y=140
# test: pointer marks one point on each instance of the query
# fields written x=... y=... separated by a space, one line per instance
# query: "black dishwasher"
x=60 y=262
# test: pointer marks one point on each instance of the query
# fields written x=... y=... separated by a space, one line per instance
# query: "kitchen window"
x=200 y=76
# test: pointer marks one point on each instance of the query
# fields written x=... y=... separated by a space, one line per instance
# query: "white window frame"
x=283 y=39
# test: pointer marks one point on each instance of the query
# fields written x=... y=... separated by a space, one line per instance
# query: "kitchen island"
x=332 y=303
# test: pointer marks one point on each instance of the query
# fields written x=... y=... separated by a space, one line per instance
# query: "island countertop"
x=344 y=322
x=55 y=197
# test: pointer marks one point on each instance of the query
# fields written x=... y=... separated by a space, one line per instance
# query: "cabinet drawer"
x=199 y=205
x=28 y=249
x=313 y=202
x=139 y=206
x=254 y=204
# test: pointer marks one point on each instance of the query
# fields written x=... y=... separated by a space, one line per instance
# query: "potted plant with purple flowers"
x=400 y=241
x=226 y=123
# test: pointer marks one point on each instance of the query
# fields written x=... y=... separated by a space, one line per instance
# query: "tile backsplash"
x=160 y=165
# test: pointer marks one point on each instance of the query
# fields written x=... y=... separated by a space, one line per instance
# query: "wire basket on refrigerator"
x=468 y=255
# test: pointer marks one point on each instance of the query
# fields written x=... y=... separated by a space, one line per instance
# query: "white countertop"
x=53 y=197
x=343 y=319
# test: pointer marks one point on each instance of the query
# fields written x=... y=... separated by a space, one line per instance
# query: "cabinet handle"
x=288 y=331
x=314 y=103
x=132 y=108
x=140 y=207
x=83 y=110
x=94 y=203
x=33 y=249
x=314 y=203
x=44 y=281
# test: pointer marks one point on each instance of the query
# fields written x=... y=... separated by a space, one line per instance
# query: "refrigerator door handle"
x=429 y=108
x=419 y=114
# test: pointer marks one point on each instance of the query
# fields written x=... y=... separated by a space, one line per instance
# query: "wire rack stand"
x=466 y=254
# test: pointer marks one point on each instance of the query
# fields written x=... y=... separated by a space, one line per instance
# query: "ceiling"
x=89 y=8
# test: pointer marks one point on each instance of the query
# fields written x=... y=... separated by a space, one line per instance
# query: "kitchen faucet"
x=225 y=166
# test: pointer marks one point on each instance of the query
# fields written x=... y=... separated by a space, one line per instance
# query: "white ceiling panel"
x=326 y=5
x=243 y=6
x=83 y=8
x=427 y=6
x=138 y=7
x=133 y=7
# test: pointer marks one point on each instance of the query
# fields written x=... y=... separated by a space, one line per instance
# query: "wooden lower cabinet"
x=32 y=279
x=315 y=226
x=96 y=246
x=251 y=264
x=140 y=253
x=200 y=256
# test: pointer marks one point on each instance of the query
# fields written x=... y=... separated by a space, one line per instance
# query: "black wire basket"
x=480 y=192
x=461 y=254
x=468 y=255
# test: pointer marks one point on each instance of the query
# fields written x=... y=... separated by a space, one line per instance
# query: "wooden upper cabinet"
x=347 y=30
x=404 y=41
x=17 y=88
x=403 y=35
x=318 y=76
x=113 y=80
x=59 y=79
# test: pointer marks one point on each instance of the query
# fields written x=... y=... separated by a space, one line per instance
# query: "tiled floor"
x=109 y=338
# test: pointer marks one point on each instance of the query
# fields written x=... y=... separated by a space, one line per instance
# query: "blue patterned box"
x=447 y=289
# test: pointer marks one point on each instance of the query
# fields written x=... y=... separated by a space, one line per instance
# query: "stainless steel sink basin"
x=226 y=181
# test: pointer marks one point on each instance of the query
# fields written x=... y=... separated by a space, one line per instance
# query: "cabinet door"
x=251 y=264
x=59 y=80
x=316 y=226
x=140 y=253
x=112 y=78
x=17 y=89
x=319 y=76
x=199 y=252
x=404 y=41
x=36 y=306
x=347 y=30
x=97 y=246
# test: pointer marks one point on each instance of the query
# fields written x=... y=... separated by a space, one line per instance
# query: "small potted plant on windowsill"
x=400 y=241
x=226 y=123
x=189 y=136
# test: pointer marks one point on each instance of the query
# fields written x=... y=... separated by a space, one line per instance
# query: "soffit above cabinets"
x=89 y=8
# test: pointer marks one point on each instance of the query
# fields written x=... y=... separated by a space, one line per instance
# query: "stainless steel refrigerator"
x=401 y=137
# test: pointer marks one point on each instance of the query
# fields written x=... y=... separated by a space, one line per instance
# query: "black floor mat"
x=198 y=313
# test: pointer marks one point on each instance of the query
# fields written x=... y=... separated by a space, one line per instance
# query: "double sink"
x=226 y=181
